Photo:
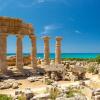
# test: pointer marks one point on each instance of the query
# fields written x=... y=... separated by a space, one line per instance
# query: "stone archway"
x=20 y=29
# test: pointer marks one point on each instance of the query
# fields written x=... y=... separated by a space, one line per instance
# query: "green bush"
x=91 y=69
x=98 y=58
x=48 y=82
x=22 y=97
x=5 y=97
x=72 y=92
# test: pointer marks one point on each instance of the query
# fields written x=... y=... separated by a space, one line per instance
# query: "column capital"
x=46 y=37
x=19 y=36
x=32 y=37
x=58 y=38
x=3 y=35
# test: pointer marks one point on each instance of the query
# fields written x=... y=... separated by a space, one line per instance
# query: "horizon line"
x=51 y=52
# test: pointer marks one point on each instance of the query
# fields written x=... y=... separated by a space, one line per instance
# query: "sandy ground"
x=35 y=86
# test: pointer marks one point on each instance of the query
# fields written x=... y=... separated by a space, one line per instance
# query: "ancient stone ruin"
x=19 y=28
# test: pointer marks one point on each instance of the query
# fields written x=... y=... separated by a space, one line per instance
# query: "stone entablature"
x=15 y=26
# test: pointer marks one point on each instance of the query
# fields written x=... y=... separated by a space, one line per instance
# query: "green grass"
x=72 y=92
x=48 y=82
x=92 y=69
x=5 y=97
x=97 y=59
x=54 y=92
x=80 y=59
x=22 y=97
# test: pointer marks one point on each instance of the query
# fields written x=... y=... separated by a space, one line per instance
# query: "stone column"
x=46 y=50
x=34 y=51
x=3 y=61
x=58 y=50
x=19 y=52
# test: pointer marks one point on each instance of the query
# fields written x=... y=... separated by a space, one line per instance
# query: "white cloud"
x=41 y=1
x=48 y=29
x=23 y=3
x=78 y=32
x=38 y=2
x=31 y=3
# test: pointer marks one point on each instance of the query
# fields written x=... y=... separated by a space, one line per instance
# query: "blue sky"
x=77 y=21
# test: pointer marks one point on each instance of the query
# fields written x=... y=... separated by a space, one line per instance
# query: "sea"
x=63 y=55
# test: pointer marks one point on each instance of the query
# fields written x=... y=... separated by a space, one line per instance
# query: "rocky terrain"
x=70 y=80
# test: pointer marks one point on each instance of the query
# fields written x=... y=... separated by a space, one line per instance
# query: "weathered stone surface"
x=73 y=77
x=5 y=85
x=52 y=62
x=97 y=97
x=10 y=83
x=31 y=79
x=58 y=50
x=3 y=64
x=78 y=97
x=19 y=55
x=96 y=94
x=15 y=85
x=34 y=51
x=46 y=50
x=41 y=97
x=97 y=90
x=18 y=92
x=29 y=94
x=34 y=78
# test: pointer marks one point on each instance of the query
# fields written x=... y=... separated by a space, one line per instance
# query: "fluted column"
x=3 y=48
x=46 y=50
x=19 y=52
x=58 y=50
x=34 y=51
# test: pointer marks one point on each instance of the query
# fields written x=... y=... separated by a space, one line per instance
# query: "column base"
x=57 y=61
x=19 y=66
x=46 y=62
x=3 y=70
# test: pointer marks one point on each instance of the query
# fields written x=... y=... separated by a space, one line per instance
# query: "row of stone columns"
x=19 y=52
x=47 y=50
